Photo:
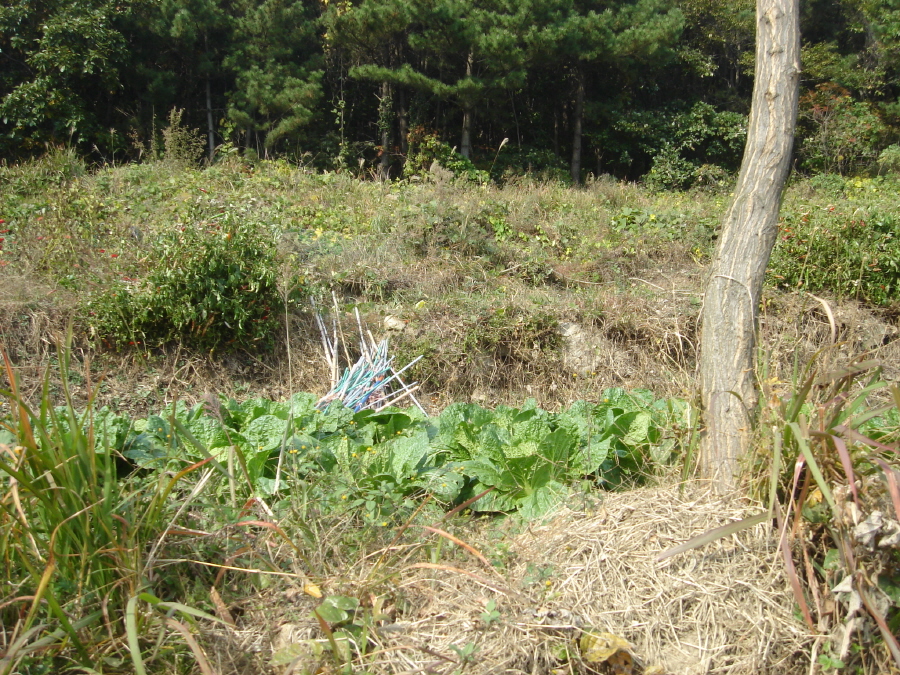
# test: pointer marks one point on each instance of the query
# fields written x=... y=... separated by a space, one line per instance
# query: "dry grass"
x=724 y=609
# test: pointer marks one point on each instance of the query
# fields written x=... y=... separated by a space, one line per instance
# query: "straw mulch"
x=725 y=608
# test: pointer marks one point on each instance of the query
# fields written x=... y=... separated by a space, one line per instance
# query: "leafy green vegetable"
x=526 y=456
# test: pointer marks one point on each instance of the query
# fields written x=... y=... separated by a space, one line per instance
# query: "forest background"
x=658 y=89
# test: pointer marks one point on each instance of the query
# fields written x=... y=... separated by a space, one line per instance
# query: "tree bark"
x=555 y=130
x=749 y=229
x=403 y=120
x=465 y=143
x=210 y=127
x=577 y=118
x=385 y=110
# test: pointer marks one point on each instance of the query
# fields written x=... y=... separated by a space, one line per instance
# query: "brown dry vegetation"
x=590 y=567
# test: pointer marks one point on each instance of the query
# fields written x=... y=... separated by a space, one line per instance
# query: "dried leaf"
x=221 y=609
x=607 y=648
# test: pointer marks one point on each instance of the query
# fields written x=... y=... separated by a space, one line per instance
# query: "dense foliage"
x=526 y=456
x=851 y=250
x=576 y=86
x=212 y=285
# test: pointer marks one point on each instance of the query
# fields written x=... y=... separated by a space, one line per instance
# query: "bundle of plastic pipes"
x=371 y=383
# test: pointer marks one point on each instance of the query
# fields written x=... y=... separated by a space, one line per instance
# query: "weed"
x=854 y=253
x=213 y=286
x=829 y=488
x=72 y=534
x=181 y=146
x=426 y=148
x=512 y=334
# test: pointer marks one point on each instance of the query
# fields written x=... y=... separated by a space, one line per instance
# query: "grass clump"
x=833 y=466
x=213 y=286
x=73 y=533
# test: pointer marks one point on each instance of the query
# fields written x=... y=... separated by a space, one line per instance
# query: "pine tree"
x=199 y=30
x=373 y=33
x=275 y=60
x=594 y=39
x=464 y=51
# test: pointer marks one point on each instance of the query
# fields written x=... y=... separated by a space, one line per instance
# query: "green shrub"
x=670 y=171
x=684 y=145
x=839 y=134
x=426 y=148
x=851 y=255
x=212 y=286
x=889 y=159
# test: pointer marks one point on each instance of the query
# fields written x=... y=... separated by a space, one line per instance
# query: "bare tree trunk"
x=403 y=118
x=210 y=127
x=555 y=130
x=465 y=143
x=385 y=113
x=578 y=116
x=749 y=229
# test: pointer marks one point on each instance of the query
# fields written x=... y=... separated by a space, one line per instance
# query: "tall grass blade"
x=889 y=639
x=714 y=534
x=202 y=662
x=171 y=607
x=846 y=413
x=131 y=634
x=184 y=431
x=39 y=593
x=22 y=418
x=891 y=474
x=22 y=647
x=775 y=470
x=802 y=443
x=847 y=464
x=847 y=372
x=794 y=580
x=856 y=436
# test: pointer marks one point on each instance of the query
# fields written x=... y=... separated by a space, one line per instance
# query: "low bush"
x=212 y=286
x=696 y=146
x=838 y=133
x=426 y=148
x=851 y=254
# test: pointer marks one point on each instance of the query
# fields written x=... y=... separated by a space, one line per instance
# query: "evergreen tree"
x=199 y=30
x=276 y=63
x=599 y=41
x=374 y=33
x=715 y=55
x=462 y=50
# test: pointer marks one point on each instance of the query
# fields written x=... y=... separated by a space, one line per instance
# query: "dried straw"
x=725 y=608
